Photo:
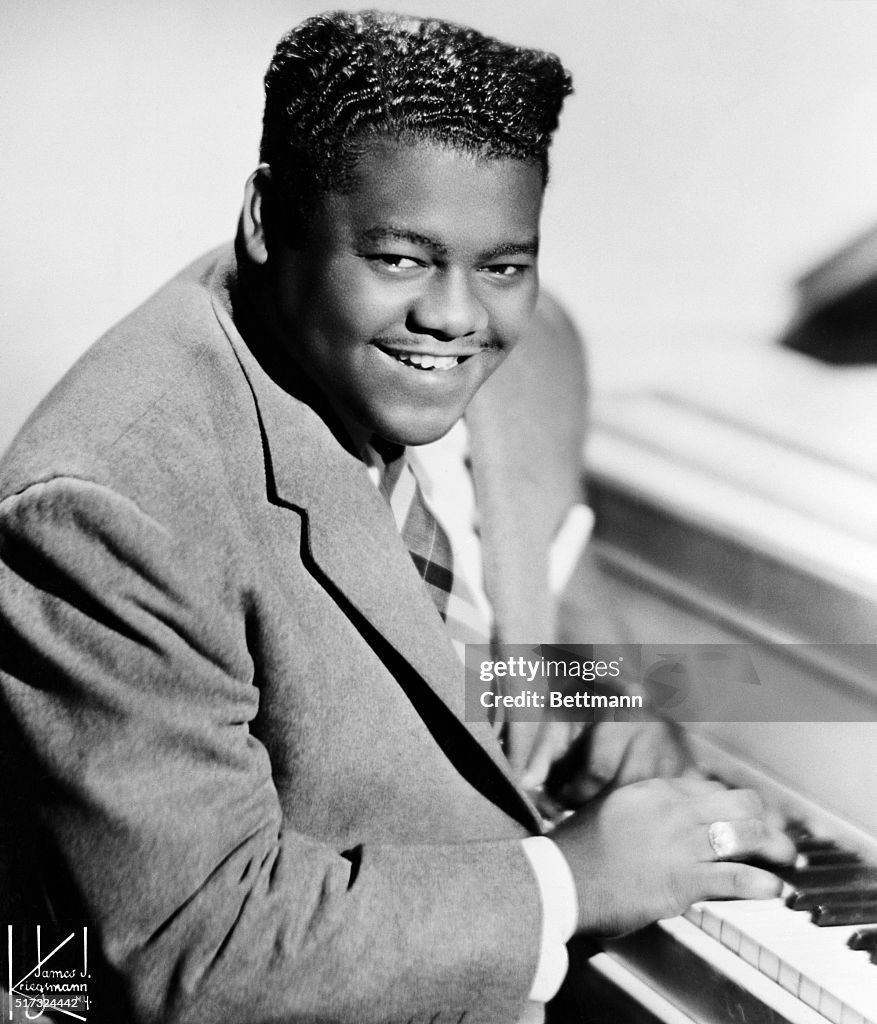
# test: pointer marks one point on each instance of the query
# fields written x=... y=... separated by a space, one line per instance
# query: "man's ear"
x=253 y=215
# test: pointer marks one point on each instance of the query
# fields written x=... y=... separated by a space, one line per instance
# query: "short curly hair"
x=343 y=78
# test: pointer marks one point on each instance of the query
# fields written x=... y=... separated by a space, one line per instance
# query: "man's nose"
x=448 y=308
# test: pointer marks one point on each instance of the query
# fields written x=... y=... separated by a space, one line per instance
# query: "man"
x=232 y=711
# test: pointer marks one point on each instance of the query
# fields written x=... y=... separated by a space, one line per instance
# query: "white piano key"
x=769 y=963
x=730 y=936
x=830 y=1006
x=712 y=925
x=812 y=963
x=722 y=960
x=848 y=1016
x=749 y=950
x=785 y=942
x=809 y=991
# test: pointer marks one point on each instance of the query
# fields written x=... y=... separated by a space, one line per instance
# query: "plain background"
x=713 y=150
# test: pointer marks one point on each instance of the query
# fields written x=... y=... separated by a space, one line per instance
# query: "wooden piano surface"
x=724 y=523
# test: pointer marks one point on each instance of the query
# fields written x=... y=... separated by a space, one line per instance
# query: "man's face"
x=409 y=291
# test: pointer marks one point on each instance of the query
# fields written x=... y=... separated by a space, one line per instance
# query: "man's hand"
x=643 y=852
x=611 y=754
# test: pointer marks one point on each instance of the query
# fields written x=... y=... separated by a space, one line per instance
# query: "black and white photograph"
x=438 y=512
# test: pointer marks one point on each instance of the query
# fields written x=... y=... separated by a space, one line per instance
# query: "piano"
x=751 y=517
x=752 y=962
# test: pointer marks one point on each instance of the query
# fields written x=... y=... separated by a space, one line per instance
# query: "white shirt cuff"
x=557 y=889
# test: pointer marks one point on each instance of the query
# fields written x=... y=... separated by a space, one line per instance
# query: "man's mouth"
x=425 y=360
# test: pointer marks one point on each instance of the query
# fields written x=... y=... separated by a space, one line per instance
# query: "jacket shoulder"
x=545 y=377
x=147 y=371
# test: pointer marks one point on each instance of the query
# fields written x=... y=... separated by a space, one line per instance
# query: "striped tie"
x=430 y=551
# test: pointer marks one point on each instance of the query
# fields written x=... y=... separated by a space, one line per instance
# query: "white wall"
x=713 y=149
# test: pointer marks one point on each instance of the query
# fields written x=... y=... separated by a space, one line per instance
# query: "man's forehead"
x=434 y=157
x=428 y=194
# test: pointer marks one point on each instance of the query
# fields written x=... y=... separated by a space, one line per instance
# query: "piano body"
x=749 y=515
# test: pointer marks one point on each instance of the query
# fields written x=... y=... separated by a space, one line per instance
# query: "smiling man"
x=410 y=288
x=232 y=707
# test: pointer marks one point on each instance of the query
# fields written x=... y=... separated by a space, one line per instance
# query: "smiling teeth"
x=424 y=361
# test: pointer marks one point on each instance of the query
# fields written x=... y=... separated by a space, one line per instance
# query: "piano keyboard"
x=753 y=961
x=807 y=957
x=819 y=941
x=814 y=964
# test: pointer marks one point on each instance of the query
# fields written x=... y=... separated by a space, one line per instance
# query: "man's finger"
x=695 y=785
x=730 y=880
x=728 y=805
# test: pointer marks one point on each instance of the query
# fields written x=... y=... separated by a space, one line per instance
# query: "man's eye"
x=394 y=263
x=506 y=270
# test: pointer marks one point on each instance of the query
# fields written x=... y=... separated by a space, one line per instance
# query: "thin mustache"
x=441 y=348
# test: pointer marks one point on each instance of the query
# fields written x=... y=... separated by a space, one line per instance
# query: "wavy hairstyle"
x=341 y=79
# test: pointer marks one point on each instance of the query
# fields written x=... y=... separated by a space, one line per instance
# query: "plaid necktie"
x=430 y=550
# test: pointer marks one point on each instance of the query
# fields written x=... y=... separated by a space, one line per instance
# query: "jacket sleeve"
x=132 y=708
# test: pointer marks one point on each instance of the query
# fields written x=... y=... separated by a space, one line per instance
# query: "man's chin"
x=415 y=431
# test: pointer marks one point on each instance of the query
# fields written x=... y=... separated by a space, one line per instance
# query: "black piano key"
x=825 y=875
x=845 y=913
x=864 y=938
x=802 y=900
x=809 y=844
x=798 y=832
x=815 y=858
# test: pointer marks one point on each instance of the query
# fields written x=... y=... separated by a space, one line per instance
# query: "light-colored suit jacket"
x=231 y=716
